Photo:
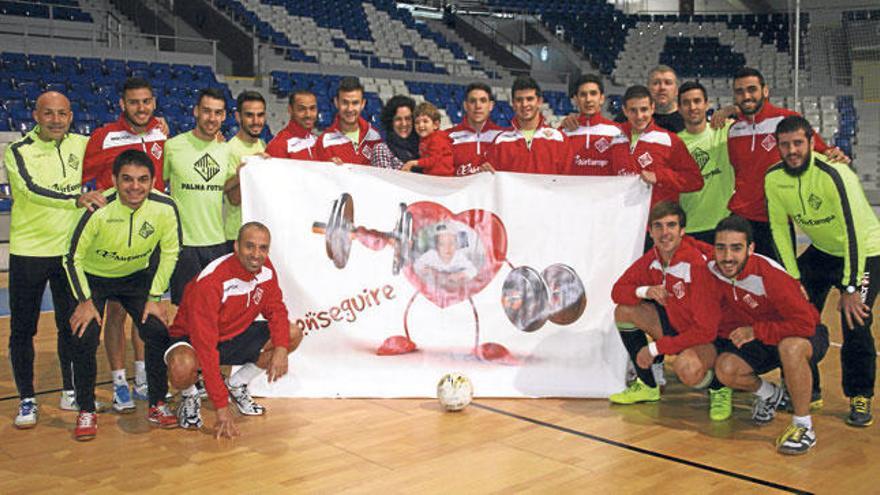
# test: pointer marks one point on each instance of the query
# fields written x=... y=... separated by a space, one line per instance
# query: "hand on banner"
x=657 y=293
x=336 y=160
x=649 y=177
x=225 y=425
x=277 y=365
x=742 y=336
x=407 y=167
x=487 y=167
x=644 y=359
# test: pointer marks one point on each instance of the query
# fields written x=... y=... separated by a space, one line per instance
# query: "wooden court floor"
x=410 y=446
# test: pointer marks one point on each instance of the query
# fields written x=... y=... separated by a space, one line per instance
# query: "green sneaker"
x=636 y=392
x=720 y=403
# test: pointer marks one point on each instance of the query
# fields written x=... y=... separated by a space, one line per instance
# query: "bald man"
x=45 y=174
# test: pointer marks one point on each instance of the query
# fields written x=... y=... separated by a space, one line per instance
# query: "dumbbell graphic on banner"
x=449 y=257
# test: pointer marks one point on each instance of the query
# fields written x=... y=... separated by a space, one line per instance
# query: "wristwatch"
x=850 y=289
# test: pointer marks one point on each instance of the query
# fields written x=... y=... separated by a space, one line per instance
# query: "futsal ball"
x=454 y=391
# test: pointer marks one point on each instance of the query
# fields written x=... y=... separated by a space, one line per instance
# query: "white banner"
x=455 y=242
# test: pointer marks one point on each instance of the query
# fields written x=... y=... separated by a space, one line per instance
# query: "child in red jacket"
x=435 y=147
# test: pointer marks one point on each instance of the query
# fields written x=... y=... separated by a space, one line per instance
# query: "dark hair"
x=793 y=123
x=478 y=86
x=252 y=225
x=136 y=83
x=348 y=84
x=744 y=72
x=215 y=93
x=524 y=83
x=299 y=92
x=133 y=157
x=735 y=223
x=666 y=208
x=246 y=96
x=637 y=91
x=584 y=79
x=390 y=110
x=690 y=86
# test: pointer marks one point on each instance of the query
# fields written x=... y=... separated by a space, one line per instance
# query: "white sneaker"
x=27 y=414
x=68 y=402
x=242 y=398
x=659 y=374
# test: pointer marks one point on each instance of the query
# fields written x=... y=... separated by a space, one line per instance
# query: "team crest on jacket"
x=701 y=157
x=815 y=201
x=73 y=161
x=156 y=151
x=769 y=142
x=601 y=145
x=678 y=289
x=367 y=152
x=646 y=159
x=258 y=295
x=750 y=301
x=207 y=167
x=548 y=133
x=146 y=230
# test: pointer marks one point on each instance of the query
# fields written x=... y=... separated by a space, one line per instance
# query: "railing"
x=455 y=68
x=498 y=37
x=103 y=38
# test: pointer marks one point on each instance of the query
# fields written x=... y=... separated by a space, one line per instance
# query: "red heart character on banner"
x=453 y=256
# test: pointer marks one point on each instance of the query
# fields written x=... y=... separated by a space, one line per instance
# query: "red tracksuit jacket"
x=661 y=152
x=751 y=147
x=333 y=143
x=108 y=141
x=220 y=304
x=690 y=305
x=470 y=147
x=435 y=154
x=545 y=155
x=293 y=142
x=765 y=297
x=589 y=146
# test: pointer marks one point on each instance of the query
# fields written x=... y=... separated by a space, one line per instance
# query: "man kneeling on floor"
x=216 y=325
x=667 y=294
x=776 y=327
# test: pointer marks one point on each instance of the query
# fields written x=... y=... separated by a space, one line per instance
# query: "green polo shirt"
x=238 y=150
x=197 y=171
x=708 y=206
